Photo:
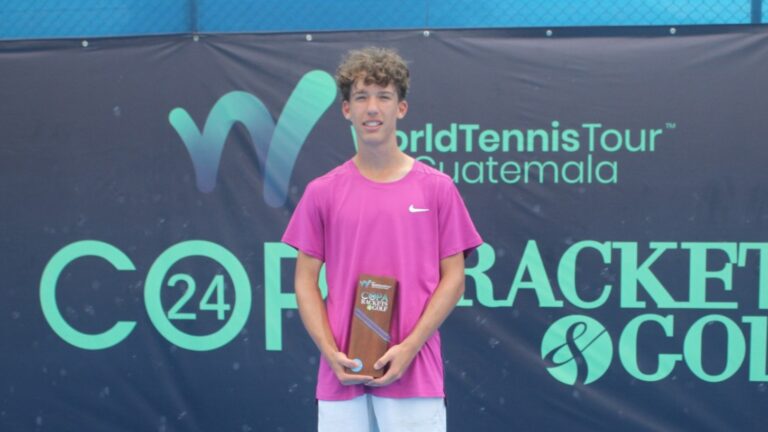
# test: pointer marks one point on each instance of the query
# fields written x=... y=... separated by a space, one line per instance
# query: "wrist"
x=329 y=352
x=412 y=344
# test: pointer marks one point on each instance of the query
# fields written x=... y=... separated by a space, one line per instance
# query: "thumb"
x=383 y=360
x=346 y=361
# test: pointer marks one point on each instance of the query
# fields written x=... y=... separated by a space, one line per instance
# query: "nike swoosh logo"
x=413 y=209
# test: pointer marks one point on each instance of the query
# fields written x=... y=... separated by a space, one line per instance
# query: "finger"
x=351 y=379
x=379 y=382
x=386 y=379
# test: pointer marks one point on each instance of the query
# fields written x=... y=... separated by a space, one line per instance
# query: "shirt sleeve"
x=305 y=230
x=457 y=232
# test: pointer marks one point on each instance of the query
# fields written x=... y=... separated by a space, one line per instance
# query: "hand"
x=338 y=361
x=399 y=357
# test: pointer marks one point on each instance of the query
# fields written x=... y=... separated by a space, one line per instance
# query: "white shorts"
x=368 y=413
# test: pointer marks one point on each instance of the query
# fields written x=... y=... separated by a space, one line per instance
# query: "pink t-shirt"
x=400 y=229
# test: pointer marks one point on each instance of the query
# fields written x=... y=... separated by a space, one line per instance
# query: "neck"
x=379 y=157
x=384 y=164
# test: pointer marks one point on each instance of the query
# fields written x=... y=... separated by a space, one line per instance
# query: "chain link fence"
x=465 y=13
x=21 y=19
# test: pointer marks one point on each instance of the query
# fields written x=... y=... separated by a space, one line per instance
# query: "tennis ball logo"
x=577 y=349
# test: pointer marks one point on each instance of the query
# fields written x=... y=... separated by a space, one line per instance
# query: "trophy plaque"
x=371 y=317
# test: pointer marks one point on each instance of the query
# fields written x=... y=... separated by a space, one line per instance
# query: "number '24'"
x=216 y=287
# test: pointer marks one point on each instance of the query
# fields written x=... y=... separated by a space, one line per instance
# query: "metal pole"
x=757 y=11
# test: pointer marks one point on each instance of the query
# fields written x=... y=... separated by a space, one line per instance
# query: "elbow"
x=302 y=288
x=460 y=287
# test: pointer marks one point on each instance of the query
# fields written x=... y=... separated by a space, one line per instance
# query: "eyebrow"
x=388 y=92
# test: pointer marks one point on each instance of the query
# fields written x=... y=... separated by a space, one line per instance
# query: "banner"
x=614 y=173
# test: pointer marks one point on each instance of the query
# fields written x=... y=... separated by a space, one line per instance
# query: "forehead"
x=359 y=85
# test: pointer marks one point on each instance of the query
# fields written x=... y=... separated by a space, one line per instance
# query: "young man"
x=381 y=213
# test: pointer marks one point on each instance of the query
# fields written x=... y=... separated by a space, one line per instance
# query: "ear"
x=345 y=109
x=402 y=108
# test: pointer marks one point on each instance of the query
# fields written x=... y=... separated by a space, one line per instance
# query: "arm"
x=313 y=315
x=448 y=292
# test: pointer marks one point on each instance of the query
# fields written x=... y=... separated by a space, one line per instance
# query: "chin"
x=372 y=142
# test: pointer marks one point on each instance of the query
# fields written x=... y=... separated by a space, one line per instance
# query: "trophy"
x=372 y=314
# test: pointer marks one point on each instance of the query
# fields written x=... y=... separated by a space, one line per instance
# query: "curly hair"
x=380 y=66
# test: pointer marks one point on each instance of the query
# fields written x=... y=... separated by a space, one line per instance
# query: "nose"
x=373 y=106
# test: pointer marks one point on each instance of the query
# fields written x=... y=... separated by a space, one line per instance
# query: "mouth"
x=372 y=125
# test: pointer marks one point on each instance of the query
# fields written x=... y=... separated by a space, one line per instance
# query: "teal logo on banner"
x=277 y=144
x=577 y=349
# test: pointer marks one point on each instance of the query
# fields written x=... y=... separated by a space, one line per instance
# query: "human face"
x=374 y=111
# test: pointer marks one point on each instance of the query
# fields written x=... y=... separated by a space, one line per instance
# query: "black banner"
x=615 y=174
